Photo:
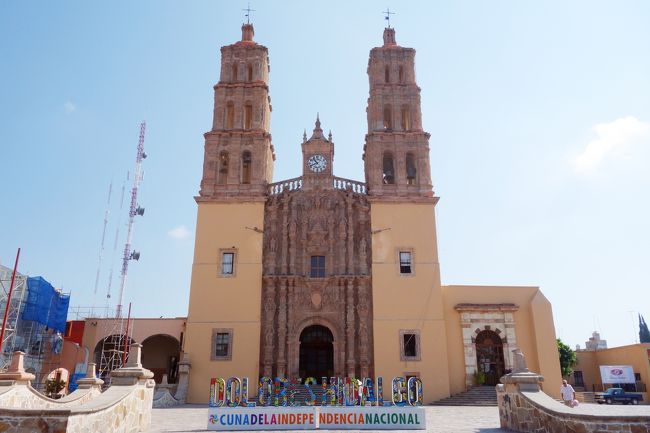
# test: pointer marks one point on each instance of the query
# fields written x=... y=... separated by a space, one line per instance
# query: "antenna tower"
x=133 y=211
x=101 y=248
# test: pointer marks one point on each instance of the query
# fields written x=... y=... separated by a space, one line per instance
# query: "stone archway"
x=316 y=352
x=160 y=354
x=489 y=356
x=294 y=343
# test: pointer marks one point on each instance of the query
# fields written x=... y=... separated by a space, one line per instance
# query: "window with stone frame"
x=405 y=262
x=228 y=262
x=317 y=267
x=409 y=340
x=222 y=340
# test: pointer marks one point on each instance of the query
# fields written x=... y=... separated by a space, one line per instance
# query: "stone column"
x=269 y=332
x=183 y=378
x=133 y=372
x=350 y=322
x=282 y=329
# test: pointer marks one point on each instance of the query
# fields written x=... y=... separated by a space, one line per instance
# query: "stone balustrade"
x=353 y=185
x=285 y=185
x=124 y=407
x=524 y=407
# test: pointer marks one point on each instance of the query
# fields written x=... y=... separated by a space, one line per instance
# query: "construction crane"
x=134 y=210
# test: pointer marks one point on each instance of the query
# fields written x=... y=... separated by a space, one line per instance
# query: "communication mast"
x=101 y=248
x=133 y=211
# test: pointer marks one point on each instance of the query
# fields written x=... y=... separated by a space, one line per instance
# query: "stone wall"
x=523 y=407
x=123 y=407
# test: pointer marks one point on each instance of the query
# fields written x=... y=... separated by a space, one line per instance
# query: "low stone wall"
x=524 y=407
x=125 y=407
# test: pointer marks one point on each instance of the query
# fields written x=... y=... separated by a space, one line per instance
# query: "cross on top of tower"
x=248 y=11
x=388 y=14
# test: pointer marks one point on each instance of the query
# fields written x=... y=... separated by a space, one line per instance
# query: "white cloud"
x=180 y=232
x=69 y=107
x=612 y=138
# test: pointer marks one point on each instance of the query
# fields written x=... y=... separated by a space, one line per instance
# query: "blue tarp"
x=45 y=305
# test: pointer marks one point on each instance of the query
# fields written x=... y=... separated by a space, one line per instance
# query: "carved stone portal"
x=298 y=225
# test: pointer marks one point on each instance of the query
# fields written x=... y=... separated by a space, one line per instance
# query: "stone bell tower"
x=396 y=153
x=238 y=151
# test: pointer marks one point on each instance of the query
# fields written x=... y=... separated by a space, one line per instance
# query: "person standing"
x=568 y=393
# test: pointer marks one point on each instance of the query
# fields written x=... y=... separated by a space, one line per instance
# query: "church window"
x=222 y=176
x=405 y=262
x=230 y=115
x=234 y=72
x=250 y=72
x=388 y=117
x=248 y=116
x=228 y=263
x=406 y=118
x=411 y=171
x=389 y=169
x=246 y=167
x=387 y=75
x=409 y=344
x=317 y=267
x=221 y=345
x=401 y=74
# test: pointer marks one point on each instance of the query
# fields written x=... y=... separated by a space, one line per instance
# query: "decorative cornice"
x=486 y=307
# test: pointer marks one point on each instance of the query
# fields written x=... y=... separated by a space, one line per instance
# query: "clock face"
x=317 y=163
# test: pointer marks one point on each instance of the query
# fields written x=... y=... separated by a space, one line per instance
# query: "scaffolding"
x=41 y=343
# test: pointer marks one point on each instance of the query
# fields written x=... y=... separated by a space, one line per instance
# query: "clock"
x=317 y=163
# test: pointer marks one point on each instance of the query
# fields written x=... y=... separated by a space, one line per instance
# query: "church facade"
x=322 y=276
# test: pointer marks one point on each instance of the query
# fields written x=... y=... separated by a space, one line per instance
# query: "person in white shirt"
x=568 y=393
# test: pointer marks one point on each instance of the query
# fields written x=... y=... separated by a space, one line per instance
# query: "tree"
x=644 y=332
x=53 y=387
x=568 y=358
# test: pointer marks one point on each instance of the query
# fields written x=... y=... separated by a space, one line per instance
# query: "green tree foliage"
x=53 y=387
x=568 y=358
x=644 y=332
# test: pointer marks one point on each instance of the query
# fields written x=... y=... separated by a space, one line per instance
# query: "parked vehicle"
x=618 y=395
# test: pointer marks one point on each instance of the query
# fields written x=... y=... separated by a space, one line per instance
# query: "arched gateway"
x=316 y=352
x=489 y=356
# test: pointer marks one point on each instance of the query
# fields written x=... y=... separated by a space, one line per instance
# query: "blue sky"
x=538 y=114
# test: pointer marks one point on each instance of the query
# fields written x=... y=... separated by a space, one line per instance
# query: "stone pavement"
x=440 y=419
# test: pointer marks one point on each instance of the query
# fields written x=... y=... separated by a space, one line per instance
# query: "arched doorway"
x=160 y=354
x=316 y=352
x=110 y=353
x=489 y=356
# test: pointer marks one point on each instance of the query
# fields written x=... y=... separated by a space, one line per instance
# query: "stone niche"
x=475 y=318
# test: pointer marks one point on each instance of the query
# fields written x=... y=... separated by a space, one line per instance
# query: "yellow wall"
x=225 y=302
x=408 y=302
x=635 y=355
x=534 y=330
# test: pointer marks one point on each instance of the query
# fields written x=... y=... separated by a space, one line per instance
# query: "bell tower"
x=396 y=152
x=239 y=155
x=317 y=159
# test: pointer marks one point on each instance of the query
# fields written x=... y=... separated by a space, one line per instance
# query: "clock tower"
x=317 y=159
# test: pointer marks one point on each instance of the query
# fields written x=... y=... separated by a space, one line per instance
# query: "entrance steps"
x=476 y=396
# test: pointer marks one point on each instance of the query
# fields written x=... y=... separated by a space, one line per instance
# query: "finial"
x=248 y=11
x=304 y=136
x=388 y=14
x=329 y=136
x=318 y=132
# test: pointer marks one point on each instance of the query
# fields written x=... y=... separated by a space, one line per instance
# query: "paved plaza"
x=440 y=419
